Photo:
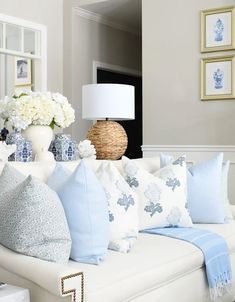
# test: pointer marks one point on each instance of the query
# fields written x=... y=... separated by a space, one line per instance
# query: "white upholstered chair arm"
x=233 y=210
x=58 y=279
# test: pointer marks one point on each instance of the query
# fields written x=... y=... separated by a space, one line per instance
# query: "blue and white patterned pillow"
x=207 y=189
x=10 y=178
x=162 y=196
x=33 y=222
x=123 y=208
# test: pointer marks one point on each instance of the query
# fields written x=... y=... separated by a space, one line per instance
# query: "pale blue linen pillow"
x=86 y=209
x=204 y=190
x=58 y=177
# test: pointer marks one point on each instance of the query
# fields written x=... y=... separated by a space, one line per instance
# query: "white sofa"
x=158 y=269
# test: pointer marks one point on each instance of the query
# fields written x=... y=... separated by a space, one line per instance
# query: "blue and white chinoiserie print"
x=63 y=148
x=218 y=30
x=218 y=77
x=162 y=195
x=123 y=208
x=23 y=147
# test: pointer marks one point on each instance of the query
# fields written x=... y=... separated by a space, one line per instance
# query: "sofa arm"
x=233 y=210
x=58 y=279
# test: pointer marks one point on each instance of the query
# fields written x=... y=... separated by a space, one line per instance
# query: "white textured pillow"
x=162 y=198
x=123 y=208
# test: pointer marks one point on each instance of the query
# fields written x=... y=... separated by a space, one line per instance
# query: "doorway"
x=133 y=128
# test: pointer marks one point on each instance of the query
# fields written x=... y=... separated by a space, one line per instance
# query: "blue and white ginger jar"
x=63 y=147
x=23 y=147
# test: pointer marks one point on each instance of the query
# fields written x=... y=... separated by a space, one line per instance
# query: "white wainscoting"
x=197 y=153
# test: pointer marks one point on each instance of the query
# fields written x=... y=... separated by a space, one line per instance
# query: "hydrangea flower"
x=37 y=108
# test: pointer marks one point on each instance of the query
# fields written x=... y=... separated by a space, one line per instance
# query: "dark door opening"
x=133 y=128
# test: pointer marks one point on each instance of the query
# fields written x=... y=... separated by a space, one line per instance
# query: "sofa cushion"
x=154 y=261
x=86 y=209
x=123 y=208
x=162 y=198
x=32 y=222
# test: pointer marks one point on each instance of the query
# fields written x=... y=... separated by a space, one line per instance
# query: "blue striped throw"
x=216 y=255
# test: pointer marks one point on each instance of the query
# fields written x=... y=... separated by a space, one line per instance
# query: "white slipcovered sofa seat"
x=158 y=268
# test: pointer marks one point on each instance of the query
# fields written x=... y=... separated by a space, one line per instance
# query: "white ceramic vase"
x=40 y=136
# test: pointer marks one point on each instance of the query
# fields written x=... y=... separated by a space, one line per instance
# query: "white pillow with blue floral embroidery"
x=123 y=208
x=162 y=196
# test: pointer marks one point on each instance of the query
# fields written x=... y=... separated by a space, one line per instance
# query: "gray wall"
x=91 y=41
x=173 y=111
x=49 y=13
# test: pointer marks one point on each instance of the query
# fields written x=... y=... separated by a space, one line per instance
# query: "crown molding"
x=104 y=20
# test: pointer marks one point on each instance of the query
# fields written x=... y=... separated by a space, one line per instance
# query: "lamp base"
x=109 y=138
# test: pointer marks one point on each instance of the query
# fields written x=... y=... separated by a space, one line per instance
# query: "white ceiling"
x=124 y=12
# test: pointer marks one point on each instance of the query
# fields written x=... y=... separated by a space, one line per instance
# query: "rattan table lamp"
x=106 y=103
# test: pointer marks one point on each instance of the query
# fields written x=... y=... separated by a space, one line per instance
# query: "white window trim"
x=42 y=44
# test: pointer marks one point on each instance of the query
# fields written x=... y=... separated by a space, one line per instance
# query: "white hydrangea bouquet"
x=37 y=108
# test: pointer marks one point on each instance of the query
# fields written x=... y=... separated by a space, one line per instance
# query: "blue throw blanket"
x=216 y=255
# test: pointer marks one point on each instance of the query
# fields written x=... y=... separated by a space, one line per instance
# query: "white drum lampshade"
x=106 y=103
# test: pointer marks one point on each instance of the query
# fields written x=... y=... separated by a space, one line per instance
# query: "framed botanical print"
x=217 y=78
x=218 y=29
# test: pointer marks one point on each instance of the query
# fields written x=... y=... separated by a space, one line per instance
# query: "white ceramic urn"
x=40 y=136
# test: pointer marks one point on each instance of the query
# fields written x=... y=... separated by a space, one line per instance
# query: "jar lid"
x=63 y=136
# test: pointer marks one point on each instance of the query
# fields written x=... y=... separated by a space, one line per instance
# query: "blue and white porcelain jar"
x=23 y=147
x=63 y=147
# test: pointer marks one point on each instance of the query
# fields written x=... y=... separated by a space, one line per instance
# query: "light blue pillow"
x=204 y=190
x=86 y=209
x=58 y=177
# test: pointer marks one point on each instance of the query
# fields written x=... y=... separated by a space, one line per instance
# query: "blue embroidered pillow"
x=162 y=197
x=205 y=190
x=123 y=208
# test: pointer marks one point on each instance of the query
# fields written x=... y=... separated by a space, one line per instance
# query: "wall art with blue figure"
x=218 y=77
x=218 y=30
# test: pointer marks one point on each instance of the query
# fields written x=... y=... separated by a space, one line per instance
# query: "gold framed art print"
x=218 y=29
x=217 y=78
